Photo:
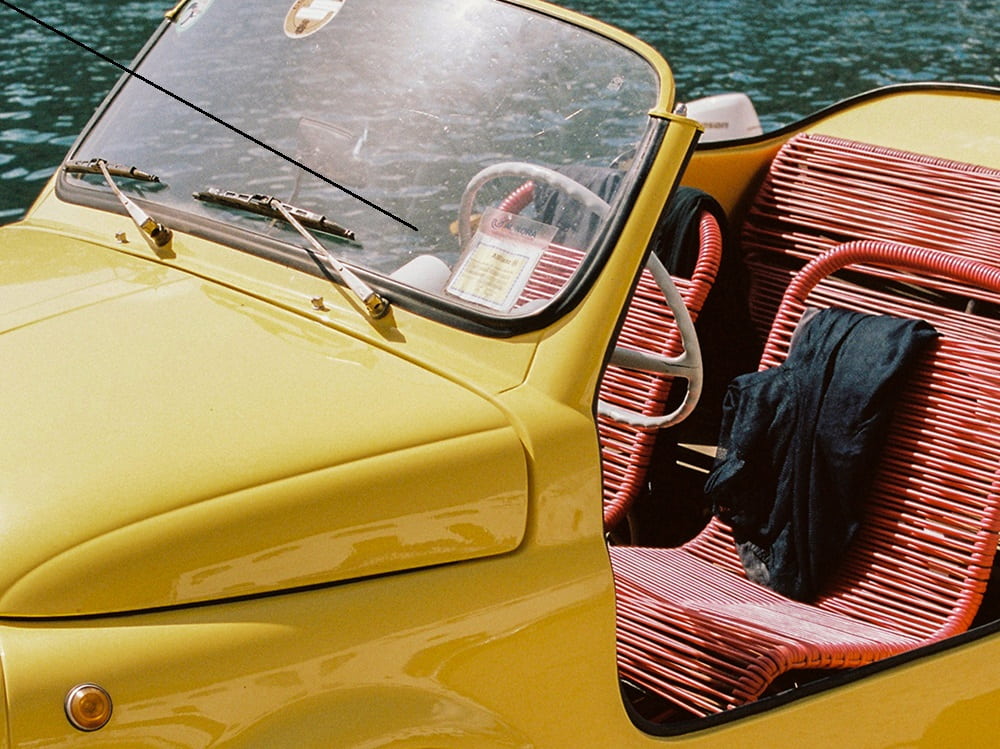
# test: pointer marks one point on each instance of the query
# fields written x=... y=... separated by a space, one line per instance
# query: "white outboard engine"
x=725 y=117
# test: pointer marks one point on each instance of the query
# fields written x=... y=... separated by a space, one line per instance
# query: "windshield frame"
x=439 y=308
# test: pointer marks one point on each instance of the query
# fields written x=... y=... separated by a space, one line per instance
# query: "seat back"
x=922 y=560
x=822 y=191
x=649 y=327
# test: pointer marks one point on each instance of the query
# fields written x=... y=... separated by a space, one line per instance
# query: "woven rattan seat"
x=649 y=326
x=821 y=191
x=695 y=631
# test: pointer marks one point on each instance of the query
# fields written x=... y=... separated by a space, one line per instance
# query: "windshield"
x=473 y=148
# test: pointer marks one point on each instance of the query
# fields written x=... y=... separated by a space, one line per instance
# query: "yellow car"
x=311 y=428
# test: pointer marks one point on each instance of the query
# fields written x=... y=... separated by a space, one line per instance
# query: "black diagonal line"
x=207 y=114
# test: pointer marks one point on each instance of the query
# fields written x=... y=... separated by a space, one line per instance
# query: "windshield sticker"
x=306 y=17
x=498 y=263
x=191 y=13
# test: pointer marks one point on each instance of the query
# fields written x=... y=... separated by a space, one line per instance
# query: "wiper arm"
x=157 y=236
x=266 y=205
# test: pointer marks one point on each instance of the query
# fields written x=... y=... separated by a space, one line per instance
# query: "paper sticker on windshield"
x=191 y=13
x=308 y=16
x=497 y=264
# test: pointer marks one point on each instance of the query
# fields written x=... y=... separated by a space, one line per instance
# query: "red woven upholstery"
x=554 y=270
x=694 y=630
x=822 y=191
x=648 y=326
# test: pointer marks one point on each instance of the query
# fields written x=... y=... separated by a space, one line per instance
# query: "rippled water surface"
x=791 y=56
x=794 y=57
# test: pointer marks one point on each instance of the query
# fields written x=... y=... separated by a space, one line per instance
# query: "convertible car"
x=397 y=373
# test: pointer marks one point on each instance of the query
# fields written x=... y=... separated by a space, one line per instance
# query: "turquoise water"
x=791 y=56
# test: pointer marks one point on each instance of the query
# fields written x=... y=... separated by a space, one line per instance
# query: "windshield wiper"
x=157 y=236
x=264 y=205
x=299 y=218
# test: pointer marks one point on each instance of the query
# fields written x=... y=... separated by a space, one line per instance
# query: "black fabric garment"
x=731 y=346
x=670 y=513
x=799 y=444
x=676 y=237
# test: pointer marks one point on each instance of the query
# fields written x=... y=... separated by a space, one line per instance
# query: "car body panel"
x=259 y=517
x=113 y=361
x=371 y=664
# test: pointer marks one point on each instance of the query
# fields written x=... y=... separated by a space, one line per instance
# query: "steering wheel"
x=687 y=365
x=590 y=200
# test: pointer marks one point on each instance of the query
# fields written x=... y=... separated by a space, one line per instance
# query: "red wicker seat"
x=695 y=631
x=649 y=326
x=822 y=191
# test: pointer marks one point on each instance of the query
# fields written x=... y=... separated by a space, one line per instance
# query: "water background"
x=791 y=56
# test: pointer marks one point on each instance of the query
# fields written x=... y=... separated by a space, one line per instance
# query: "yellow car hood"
x=169 y=441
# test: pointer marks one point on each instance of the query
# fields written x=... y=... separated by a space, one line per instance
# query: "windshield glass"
x=472 y=147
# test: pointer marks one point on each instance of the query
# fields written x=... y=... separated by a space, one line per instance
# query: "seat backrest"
x=626 y=450
x=922 y=560
x=649 y=327
x=822 y=191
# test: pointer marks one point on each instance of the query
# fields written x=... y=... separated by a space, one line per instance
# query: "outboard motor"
x=725 y=117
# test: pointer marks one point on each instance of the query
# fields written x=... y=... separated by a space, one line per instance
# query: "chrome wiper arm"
x=266 y=205
x=157 y=235
x=375 y=303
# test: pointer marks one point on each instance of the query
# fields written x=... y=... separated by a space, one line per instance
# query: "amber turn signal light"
x=88 y=707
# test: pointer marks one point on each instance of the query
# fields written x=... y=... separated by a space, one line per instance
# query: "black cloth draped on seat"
x=799 y=444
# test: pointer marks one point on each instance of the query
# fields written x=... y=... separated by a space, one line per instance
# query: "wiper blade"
x=157 y=235
x=93 y=166
x=267 y=205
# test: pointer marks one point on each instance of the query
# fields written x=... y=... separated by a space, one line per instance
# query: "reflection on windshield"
x=402 y=102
